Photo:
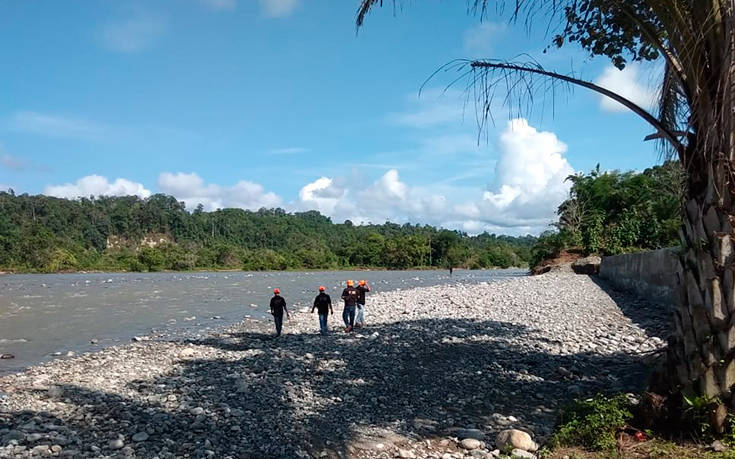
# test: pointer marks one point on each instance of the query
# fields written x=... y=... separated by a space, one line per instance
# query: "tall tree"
x=695 y=121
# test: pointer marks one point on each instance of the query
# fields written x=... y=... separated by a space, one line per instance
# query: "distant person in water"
x=450 y=270
x=323 y=305
x=362 y=289
x=349 y=295
x=278 y=306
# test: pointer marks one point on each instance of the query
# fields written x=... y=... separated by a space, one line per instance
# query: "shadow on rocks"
x=656 y=319
x=343 y=395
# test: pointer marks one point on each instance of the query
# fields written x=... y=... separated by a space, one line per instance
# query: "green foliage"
x=697 y=413
x=612 y=212
x=152 y=258
x=592 y=423
x=60 y=260
x=592 y=231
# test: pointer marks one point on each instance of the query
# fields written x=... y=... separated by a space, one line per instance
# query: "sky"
x=282 y=103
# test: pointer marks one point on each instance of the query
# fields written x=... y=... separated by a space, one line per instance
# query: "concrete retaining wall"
x=652 y=275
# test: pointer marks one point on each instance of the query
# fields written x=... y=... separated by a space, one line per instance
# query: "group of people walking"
x=353 y=313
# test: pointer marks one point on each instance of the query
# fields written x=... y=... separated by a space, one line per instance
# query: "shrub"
x=592 y=423
x=60 y=260
x=152 y=258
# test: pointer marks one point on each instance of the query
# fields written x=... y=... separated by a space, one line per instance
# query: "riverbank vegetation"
x=614 y=212
x=46 y=234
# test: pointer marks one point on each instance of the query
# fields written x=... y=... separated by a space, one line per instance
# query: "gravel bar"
x=435 y=366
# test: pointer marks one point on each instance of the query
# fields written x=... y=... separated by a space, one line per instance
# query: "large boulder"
x=515 y=439
x=587 y=265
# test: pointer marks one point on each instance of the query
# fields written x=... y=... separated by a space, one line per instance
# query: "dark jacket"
x=350 y=296
x=322 y=303
x=361 y=291
x=278 y=305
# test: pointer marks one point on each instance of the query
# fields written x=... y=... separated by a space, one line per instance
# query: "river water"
x=46 y=316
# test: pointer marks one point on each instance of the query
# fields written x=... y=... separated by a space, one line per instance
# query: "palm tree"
x=695 y=122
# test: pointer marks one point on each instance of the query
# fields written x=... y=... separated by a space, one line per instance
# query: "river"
x=46 y=316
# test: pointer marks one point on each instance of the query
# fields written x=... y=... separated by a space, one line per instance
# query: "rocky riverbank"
x=439 y=372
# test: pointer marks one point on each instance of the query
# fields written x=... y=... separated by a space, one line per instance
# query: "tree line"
x=614 y=212
x=46 y=234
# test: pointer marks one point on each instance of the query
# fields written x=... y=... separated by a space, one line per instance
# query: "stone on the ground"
x=470 y=443
x=116 y=444
x=55 y=391
x=515 y=438
x=406 y=454
x=41 y=450
x=718 y=447
x=140 y=436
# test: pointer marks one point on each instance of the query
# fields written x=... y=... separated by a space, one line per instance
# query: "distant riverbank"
x=436 y=365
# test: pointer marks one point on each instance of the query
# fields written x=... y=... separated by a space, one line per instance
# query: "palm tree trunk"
x=700 y=350
x=701 y=353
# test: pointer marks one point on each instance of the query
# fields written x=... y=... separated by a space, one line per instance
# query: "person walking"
x=278 y=306
x=323 y=305
x=349 y=295
x=362 y=289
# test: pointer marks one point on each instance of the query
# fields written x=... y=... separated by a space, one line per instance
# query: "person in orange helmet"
x=278 y=305
x=323 y=305
x=349 y=295
x=362 y=289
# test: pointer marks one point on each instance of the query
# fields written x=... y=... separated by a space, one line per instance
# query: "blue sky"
x=250 y=103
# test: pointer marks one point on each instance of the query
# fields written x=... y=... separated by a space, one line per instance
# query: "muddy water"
x=46 y=316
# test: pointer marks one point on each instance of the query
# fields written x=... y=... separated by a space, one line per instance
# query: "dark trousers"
x=279 y=323
x=323 y=324
x=348 y=315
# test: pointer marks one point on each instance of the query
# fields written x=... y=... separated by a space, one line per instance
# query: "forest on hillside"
x=610 y=213
x=46 y=234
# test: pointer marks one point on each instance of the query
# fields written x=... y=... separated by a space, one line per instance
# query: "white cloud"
x=278 y=8
x=98 y=186
x=324 y=194
x=57 y=126
x=191 y=189
x=528 y=186
x=629 y=83
x=387 y=198
x=529 y=178
x=479 y=40
x=221 y=4
x=133 y=34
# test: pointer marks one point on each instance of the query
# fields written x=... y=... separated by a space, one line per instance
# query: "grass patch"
x=592 y=423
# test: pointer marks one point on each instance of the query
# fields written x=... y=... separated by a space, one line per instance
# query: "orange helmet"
x=276 y=291
x=362 y=282
x=321 y=288
x=350 y=283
